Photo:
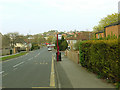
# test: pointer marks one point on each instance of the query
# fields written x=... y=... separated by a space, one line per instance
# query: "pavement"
x=72 y=75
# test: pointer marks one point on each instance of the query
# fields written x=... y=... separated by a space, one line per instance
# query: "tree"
x=62 y=44
x=5 y=41
x=38 y=38
x=35 y=46
x=109 y=20
x=50 y=39
x=15 y=37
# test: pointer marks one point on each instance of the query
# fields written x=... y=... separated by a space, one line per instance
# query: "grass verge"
x=12 y=56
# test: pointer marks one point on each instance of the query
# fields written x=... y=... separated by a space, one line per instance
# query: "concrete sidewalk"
x=71 y=75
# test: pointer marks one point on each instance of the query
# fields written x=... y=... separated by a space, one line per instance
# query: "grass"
x=12 y=56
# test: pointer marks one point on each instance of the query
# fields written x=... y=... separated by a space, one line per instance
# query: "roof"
x=81 y=36
x=112 y=25
x=71 y=38
x=99 y=32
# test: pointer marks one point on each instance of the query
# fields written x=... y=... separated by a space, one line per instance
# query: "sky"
x=38 y=16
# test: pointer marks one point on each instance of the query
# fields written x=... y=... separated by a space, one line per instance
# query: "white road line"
x=1 y=72
x=30 y=59
x=18 y=64
x=15 y=68
x=38 y=53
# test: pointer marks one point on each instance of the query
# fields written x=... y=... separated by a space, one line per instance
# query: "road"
x=29 y=71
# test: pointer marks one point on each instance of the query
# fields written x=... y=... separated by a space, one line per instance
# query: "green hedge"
x=101 y=57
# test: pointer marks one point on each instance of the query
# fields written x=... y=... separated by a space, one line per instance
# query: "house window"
x=98 y=36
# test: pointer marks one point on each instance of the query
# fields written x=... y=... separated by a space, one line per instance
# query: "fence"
x=73 y=55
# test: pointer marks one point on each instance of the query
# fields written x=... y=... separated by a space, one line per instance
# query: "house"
x=20 y=46
x=71 y=41
x=110 y=30
x=79 y=36
x=46 y=38
x=0 y=41
x=84 y=36
x=100 y=34
x=0 y=44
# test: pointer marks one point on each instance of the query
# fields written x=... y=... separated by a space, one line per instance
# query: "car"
x=49 y=49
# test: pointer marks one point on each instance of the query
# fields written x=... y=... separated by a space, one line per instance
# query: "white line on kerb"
x=18 y=64
x=1 y=72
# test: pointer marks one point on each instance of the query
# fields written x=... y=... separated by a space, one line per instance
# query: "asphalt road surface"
x=29 y=71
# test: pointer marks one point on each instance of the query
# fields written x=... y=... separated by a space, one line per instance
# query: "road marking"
x=18 y=64
x=15 y=68
x=43 y=87
x=5 y=74
x=52 y=77
x=38 y=53
x=1 y=72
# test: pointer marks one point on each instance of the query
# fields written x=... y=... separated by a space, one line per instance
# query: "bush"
x=63 y=45
x=35 y=46
x=101 y=57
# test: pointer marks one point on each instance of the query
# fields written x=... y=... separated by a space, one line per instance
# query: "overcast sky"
x=38 y=16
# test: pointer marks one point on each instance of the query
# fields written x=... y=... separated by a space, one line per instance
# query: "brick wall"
x=114 y=30
x=73 y=55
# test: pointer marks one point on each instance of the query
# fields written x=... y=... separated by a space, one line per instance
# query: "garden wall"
x=73 y=55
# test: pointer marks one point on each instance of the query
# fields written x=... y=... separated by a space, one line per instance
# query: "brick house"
x=100 y=34
x=112 y=30
x=109 y=31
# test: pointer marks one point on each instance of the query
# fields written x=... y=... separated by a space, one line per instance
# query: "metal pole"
x=57 y=49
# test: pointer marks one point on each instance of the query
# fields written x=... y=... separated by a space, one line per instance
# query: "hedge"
x=101 y=57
